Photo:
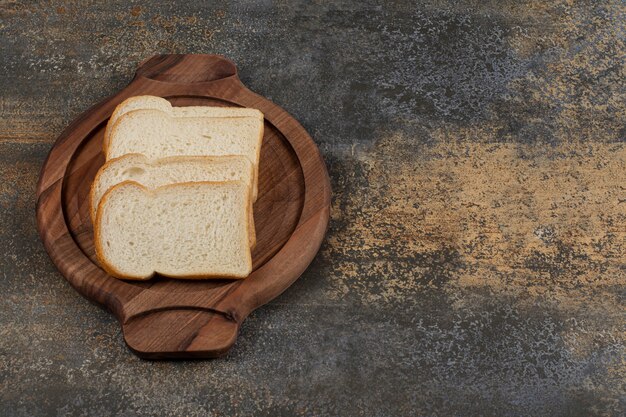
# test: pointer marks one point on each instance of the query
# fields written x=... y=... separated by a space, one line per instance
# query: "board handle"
x=187 y=69
x=160 y=324
x=180 y=333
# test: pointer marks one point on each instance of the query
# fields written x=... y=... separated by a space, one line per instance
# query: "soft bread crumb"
x=188 y=230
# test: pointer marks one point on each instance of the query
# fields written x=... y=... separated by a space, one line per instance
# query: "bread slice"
x=158 y=103
x=153 y=174
x=157 y=134
x=184 y=230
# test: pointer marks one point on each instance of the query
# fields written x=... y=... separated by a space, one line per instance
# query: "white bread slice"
x=171 y=170
x=157 y=134
x=184 y=230
x=158 y=103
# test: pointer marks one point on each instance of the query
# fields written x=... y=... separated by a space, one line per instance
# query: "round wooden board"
x=168 y=318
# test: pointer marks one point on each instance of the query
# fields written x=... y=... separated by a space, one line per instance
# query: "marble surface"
x=475 y=262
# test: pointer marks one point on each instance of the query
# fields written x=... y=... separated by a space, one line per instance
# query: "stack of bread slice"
x=175 y=195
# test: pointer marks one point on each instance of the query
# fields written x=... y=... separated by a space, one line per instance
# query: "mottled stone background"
x=476 y=258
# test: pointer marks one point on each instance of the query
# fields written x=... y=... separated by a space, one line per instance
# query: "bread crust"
x=110 y=269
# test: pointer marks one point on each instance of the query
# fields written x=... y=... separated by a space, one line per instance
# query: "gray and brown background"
x=476 y=258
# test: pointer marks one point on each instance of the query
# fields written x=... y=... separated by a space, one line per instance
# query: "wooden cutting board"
x=167 y=318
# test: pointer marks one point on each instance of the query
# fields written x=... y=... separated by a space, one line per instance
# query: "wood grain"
x=165 y=318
